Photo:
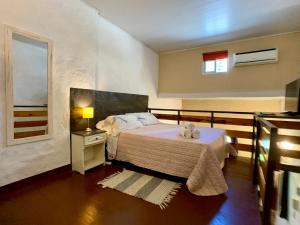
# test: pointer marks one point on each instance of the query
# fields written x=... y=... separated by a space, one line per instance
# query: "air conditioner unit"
x=255 y=57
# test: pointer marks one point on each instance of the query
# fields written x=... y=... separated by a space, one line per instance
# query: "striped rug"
x=151 y=189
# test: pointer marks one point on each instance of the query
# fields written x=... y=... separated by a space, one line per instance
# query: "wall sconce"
x=88 y=113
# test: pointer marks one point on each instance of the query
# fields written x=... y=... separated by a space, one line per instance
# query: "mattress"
x=160 y=147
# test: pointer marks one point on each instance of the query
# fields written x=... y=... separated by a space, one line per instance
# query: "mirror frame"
x=9 y=31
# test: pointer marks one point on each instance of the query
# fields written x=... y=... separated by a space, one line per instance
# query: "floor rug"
x=151 y=189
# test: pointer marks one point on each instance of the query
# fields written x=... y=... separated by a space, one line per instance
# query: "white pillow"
x=104 y=125
x=126 y=122
x=108 y=121
x=146 y=118
x=111 y=119
x=115 y=124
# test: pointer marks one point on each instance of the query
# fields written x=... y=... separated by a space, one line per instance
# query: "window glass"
x=209 y=66
x=221 y=65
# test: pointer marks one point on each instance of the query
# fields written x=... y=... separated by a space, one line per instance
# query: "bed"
x=158 y=146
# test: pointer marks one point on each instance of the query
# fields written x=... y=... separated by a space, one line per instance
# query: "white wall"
x=84 y=45
x=126 y=65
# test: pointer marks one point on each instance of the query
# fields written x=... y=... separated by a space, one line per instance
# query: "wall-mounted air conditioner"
x=255 y=57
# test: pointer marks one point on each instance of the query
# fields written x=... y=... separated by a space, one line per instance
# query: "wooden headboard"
x=104 y=103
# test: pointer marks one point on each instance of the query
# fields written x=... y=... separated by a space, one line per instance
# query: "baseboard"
x=17 y=184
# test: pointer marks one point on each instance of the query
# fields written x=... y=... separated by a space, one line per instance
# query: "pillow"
x=104 y=125
x=146 y=118
x=126 y=122
x=111 y=119
x=115 y=124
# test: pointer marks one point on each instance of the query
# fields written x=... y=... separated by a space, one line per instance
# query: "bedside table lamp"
x=88 y=113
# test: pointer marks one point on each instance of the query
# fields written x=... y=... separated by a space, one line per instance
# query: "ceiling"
x=166 y=25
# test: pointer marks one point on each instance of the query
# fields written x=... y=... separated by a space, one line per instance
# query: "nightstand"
x=88 y=150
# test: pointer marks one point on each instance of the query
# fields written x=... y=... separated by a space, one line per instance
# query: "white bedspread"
x=159 y=147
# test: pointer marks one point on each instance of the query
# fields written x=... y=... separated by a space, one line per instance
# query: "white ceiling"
x=165 y=25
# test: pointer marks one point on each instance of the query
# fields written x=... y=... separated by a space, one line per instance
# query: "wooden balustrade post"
x=253 y=138
x=255 y=169
x=273 y=160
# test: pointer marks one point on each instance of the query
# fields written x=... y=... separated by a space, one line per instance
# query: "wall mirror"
x=28 y=68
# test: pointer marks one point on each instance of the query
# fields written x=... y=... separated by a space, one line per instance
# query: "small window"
x=215 y=62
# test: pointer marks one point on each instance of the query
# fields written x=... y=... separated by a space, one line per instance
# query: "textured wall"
x=126 y=65
x=89 y=52
x=72 y=26
x=181 y=72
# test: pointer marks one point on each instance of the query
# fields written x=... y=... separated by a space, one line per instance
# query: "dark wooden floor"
x=65 y=198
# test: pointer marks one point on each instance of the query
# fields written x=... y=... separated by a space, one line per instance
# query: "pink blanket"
x=159 y=147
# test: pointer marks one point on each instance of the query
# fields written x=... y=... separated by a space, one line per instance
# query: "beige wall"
x=242 y=105
x=181 y=72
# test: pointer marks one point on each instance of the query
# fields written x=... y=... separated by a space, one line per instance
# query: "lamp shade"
x=88 y=113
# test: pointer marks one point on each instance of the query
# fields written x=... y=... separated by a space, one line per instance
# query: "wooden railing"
x=268 y=158
x=213 y=118
x=264 y=132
